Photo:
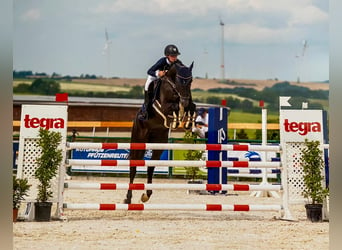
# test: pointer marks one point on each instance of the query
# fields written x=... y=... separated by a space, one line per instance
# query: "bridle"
x=174 y=87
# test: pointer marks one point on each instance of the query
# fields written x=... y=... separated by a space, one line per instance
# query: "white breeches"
x=148 y=81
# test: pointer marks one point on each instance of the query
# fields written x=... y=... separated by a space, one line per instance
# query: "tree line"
x=47 y=86
x=30 y=74
x=270 y=95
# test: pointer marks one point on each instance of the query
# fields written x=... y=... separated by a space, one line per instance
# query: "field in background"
x=237 y=116
x=86 y=87
x=206 y=84
x=125 y=84
x=203 y=84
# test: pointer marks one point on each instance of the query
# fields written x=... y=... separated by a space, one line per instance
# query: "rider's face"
x=172 y=58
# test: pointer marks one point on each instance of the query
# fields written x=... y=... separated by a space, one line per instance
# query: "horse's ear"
x=191 y=66
x=176 y=66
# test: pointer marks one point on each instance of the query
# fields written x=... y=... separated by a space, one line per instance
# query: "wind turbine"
x=300 y=58
x=222 y=48
x=106 y=51
x=305 y=44
x=205 y=52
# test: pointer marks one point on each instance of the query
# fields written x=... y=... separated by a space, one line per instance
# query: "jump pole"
x=182 y=207
x=264 y=155
x=164 y=146
x=175 y=163
x=168 y=186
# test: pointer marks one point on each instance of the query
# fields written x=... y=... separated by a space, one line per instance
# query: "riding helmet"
x=171 y=50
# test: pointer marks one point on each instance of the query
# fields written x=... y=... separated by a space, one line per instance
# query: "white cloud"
x=157 y=7
x=308 y=15
x=140 y=29
x=246 y=21
x=31 y=15
x=252 y=34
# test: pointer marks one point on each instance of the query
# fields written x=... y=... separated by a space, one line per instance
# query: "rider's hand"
x=161 y=73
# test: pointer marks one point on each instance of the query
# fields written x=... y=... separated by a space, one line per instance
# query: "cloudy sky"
x=263 y=39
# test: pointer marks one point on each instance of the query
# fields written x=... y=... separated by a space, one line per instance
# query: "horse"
x=172 y=108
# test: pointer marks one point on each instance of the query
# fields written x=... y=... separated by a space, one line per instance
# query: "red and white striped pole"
x=168 y=186
x=174 y=163
x=170 y=146
x=192 y=207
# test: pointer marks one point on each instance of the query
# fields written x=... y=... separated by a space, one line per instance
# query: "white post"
x=264 y=156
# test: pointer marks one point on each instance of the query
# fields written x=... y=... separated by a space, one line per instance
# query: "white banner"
x=50 y=117
x=296 y=125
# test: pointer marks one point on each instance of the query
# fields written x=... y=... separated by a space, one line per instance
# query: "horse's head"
x=176 y=100
x=182 y=81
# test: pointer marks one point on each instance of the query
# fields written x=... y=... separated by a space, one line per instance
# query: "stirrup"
x=142 y=116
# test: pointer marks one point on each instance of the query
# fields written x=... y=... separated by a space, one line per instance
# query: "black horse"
x=172 y=108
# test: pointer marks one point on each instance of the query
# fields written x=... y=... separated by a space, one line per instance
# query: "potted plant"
x=192 y=173
x=47 y=168
x=20 y=190
x=314 y=190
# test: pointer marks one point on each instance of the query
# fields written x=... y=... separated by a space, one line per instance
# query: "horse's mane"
x=182 y=69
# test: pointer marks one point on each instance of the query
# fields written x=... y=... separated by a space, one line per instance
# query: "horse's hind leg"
x=132 y=173
x=146 y=197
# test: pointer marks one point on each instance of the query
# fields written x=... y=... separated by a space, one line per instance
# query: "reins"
x=173 y=85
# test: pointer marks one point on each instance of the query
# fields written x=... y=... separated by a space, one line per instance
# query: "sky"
x=262 y=39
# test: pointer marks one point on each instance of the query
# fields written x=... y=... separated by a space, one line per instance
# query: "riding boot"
x=143 y=114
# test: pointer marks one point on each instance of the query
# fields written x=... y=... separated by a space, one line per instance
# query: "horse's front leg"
x=146 y=197
x=190 y=116
x=132 y=173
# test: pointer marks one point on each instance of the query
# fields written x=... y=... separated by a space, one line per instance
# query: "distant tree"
x=55 y=75
x=22 y=88
x=41 y=74
x=242 y=134
x=214 y=100
x=67 y=78
x=136 y=92
x=45 y=87
x=246 y=105
x=22 y=74
x=233 y=103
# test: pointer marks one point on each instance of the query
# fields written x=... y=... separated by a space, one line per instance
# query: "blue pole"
x=217 y=134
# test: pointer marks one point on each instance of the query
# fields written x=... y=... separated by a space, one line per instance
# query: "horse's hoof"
x=144 y=197
x=126 y=201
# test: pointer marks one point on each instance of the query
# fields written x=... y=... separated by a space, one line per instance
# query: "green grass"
x=180 y=171
x=203 y=95
x=237 y=116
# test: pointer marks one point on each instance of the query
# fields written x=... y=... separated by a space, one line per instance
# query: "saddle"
x=154 y=90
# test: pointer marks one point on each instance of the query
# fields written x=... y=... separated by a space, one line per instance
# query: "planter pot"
x=314 y=212
x=42 y=211
x=15 y=214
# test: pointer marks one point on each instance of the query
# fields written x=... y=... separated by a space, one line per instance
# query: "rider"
x=158 y=70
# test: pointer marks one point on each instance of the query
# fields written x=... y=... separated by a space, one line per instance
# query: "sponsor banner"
x=113 y=154
x=49 y=117
x=105 y=154
x=34 y=117
x=296 y=125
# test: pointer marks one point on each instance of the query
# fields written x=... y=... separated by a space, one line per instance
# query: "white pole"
x=264 y=156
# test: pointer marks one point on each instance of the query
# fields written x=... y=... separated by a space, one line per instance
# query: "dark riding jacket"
x=162 y=64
